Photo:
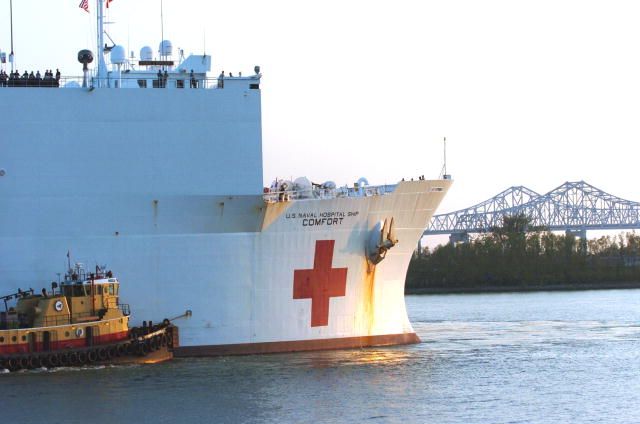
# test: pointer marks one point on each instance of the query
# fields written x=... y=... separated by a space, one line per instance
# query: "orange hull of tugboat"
x=153 y=347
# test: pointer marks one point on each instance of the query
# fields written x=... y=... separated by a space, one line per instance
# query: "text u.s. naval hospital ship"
x=156 y=169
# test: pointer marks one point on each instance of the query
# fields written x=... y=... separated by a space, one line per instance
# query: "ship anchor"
x=381 y=240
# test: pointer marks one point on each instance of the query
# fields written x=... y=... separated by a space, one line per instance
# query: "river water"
x=547 y=357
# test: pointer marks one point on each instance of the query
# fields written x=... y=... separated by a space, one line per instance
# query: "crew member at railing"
x=221 y=80
x=29 y=79
x=192 y=79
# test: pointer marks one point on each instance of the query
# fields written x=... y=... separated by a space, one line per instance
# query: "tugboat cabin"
x=84 y=312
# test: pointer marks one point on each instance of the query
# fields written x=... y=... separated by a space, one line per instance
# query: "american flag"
x=84 y=4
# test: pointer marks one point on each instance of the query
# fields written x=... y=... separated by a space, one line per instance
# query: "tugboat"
x=83 y=323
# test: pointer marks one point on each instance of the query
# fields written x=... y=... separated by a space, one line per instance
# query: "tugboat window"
x=100 y=289
x=14 y=338
x=24 y=338
x=78 y=291
x=110 y=288
x=1 y=339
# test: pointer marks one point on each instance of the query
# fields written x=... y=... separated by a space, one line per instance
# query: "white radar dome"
x=303 y=186
x=302 y=183
x=146 y=53
x=118 y=55
x=166 y=48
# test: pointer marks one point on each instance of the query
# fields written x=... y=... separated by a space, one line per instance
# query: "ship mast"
x=102 y=66
x=11 y=55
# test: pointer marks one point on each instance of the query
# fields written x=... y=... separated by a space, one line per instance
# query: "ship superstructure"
x=160 y=175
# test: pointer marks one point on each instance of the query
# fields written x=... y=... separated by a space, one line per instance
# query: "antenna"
x=11 y=55
x=445 y=157
x=443 y=173
x=161 y=23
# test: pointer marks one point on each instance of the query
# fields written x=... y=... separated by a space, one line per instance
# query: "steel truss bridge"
x=573 y=207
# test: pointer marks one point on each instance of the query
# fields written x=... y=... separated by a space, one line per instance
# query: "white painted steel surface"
x=164 y=187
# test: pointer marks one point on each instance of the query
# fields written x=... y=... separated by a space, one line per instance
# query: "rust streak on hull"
x=368 y=299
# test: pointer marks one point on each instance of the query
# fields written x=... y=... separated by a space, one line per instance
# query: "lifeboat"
x=79 y=322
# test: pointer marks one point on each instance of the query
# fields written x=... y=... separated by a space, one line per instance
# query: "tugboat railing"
x=52 y=320
x=124 y=308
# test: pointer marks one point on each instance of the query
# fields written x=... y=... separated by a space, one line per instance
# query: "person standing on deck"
x=221 y=80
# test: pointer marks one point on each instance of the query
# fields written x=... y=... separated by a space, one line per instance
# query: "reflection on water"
x=362 y=357
x=500 y=358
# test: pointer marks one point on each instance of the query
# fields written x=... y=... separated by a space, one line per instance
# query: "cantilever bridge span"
x=573 y=206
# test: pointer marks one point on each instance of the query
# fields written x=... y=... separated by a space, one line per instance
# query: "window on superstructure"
x=111 y=289
x=78 y=291
x=99 y=288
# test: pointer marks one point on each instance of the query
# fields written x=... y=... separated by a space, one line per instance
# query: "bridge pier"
x=459 y=238
x=582 y=235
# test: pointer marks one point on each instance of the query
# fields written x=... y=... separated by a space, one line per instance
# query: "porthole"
x=66 y=334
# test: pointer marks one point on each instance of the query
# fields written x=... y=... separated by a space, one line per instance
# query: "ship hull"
x=162 y=186
x=232 y=262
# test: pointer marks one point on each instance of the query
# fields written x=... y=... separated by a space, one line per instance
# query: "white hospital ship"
x=156 y=171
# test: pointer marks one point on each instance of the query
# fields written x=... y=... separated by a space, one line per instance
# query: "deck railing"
x=127 y=81
x=323 y=193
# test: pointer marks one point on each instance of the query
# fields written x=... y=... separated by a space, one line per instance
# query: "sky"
x=530 y=93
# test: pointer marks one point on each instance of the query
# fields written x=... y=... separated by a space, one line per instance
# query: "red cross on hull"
x=320 y=283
